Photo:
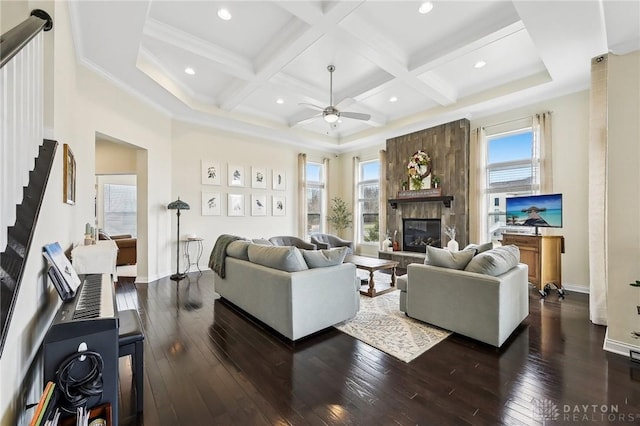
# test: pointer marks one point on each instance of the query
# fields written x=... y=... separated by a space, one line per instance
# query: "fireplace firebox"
x=417 y=234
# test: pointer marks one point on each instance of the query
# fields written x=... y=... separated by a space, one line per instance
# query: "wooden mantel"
x=446 y=200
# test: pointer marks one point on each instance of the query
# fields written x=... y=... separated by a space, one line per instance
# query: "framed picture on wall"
x=211 y=173
x=211 y=203
x=236 y=175
x=279 y=181
x=259 y=177
x=235 y=205
x=278 y=207
x=258 y=205
x=69 y=176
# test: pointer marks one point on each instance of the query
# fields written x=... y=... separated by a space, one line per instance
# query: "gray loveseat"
x=486 y=302
x=276 y=285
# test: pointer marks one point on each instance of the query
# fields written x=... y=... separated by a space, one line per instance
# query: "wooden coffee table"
x=373 y=264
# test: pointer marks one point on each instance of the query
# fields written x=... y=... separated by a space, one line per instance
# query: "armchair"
x=127 y=247
x=286 y=240
x=326 y=241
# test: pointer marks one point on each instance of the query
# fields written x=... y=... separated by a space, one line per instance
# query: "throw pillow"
x=448 y=259
x=262 y=241
x=284 y=258
x=324 y=258
x=239 y=249
x=480 y=248
x=496 y=261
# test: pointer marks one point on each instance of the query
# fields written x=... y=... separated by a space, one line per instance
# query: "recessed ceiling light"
x=280 y=101
x=479 y=64
x=425 y=7
x=224 y=14
x=189 y=70
x=393 y=99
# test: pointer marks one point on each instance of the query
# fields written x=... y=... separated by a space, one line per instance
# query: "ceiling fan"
x=331 y=114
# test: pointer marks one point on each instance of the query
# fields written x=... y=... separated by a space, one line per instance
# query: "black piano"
x=88 y=322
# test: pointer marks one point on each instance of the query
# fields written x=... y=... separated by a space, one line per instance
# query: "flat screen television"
x=539 y=211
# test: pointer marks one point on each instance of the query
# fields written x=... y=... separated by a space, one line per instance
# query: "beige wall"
x=192 y=145
x=570 y=136
x=115 y=158
x=570 y=133
x=623 y=198
x=83 y=105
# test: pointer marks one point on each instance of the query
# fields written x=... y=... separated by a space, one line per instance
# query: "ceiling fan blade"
x=355 y=115
x=311 y=106
x=307 y=120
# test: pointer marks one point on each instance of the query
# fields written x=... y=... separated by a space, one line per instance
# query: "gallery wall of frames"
x=267 y=190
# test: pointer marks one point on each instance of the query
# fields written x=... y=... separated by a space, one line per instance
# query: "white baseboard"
x=574 y=288
x=617 y=347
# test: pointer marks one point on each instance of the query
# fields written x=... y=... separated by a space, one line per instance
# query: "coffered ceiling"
x=404 y=69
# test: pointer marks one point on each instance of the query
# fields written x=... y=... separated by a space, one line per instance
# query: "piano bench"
x=130 y=341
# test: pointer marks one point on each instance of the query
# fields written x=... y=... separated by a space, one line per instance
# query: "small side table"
x=197 y=255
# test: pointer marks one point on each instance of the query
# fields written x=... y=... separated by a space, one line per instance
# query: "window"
x=315 y=198
x=120 y=209
x=368 y=201
x=513 y=168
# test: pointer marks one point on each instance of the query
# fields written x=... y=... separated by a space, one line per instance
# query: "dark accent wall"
x=448 y=146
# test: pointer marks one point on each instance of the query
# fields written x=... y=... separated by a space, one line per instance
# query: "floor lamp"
x=178 y=205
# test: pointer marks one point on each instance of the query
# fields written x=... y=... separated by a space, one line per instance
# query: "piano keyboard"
x=96 y=298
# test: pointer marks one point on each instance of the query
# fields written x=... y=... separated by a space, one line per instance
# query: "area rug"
x=381 y=324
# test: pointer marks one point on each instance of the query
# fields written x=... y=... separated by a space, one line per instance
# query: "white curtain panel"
x=478 y=186
x=302 y=195
x=542 y=131
x=382 y=208
x=355 y=164
x=326 y=202
x=598 y=192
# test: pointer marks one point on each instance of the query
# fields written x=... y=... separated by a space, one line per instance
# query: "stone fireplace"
x=417 y=234
x=448 y=147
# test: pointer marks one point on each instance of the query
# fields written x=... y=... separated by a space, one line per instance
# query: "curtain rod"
x=515 y=119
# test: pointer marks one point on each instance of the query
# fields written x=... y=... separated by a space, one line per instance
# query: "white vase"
x=453 y=246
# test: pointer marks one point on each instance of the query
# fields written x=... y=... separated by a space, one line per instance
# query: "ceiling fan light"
x=331 y=117
x=425 y=7
x=224 y=14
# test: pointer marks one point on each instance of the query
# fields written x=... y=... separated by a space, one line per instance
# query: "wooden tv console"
x=542 y=254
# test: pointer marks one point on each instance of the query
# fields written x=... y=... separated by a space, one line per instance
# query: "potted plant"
x=340 y=217
x=435 y=181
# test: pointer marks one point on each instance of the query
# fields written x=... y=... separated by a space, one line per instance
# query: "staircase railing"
x=21 y=134
x=21 y=109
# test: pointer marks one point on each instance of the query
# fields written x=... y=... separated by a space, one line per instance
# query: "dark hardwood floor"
x=206 y=364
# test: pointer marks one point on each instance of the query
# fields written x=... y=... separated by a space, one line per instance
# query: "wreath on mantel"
x=419 y=168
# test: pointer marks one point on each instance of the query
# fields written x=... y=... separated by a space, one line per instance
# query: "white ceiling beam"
x=225 y=60
x=582 y=33
x=359 y=42
x=288 y=53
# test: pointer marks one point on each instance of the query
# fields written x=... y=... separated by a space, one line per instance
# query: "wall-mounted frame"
x=236 y=175
x=235 y=205
x=279 y=207
x=211 y=203
x=259 y=177
x=279 y=181
x=211 y=173
x=258 y=205
x=69 y=177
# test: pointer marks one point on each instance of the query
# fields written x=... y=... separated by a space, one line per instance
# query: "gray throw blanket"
x=219 y=253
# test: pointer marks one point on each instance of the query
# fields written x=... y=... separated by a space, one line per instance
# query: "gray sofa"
x=476 y=304
x=277 y=287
